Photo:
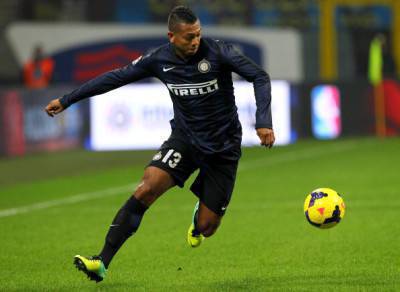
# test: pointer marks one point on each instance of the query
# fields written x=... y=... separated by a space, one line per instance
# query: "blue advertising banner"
x=83 y=51
x=25 y=127
x=84 y=62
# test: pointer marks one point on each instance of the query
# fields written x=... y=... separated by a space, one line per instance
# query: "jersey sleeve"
x=250 y=71
x=138 y=69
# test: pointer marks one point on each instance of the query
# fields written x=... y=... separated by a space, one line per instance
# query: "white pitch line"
x=66 y=201
x=266 y=161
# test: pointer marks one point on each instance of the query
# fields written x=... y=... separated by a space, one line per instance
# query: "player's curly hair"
x=180 y=14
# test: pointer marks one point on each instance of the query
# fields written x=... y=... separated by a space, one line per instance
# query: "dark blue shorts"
x=216 y=178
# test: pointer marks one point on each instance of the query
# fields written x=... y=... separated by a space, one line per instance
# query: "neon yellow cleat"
x=93 y=267
x=194 y=238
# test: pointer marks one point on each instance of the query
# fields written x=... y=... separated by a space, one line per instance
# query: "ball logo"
x=316 y=196
x=321 y=210
x=204 y=66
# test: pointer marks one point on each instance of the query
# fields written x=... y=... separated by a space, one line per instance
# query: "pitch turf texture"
x=54 y=206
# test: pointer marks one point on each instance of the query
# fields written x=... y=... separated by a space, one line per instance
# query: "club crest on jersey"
x=194 y=88
x=204 y=66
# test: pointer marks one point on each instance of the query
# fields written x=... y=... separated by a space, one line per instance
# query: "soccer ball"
x=324 y=208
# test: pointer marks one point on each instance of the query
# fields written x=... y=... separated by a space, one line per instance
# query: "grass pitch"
x=54 y=206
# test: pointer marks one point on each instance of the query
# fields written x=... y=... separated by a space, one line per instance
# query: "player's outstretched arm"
x=54 y=107
x=267 y=136
x=138 y=69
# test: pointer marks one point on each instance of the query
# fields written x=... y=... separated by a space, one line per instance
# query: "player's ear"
x=171 y=36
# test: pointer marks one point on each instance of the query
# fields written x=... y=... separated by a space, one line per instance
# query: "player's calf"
x=154 y=183
x=125 y=223
x=207 y=227
x=207 y=221
x=201 y=227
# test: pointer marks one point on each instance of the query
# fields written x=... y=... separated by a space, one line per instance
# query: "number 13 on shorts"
x=172 y=158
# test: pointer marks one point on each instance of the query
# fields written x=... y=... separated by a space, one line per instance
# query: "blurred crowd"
x=356 y=26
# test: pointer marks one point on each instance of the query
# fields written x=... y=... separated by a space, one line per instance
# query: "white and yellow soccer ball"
x=324 y=208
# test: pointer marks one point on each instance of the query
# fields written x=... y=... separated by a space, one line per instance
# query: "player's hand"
x=54 y=107
x=267 y=137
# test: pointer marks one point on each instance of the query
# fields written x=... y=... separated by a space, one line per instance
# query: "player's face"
x=186 y=38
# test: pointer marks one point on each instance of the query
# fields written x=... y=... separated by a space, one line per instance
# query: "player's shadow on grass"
x=121 y=286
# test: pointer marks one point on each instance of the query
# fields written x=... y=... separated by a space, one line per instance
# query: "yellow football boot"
x=194 y=238
x=93 y=267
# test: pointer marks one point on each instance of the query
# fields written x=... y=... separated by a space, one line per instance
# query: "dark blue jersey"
x=201 y=90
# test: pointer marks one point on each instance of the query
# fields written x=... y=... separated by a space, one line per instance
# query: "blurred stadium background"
x=318 y=50
x=330 y=115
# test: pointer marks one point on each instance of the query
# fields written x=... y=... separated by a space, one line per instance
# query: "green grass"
x=264 y=242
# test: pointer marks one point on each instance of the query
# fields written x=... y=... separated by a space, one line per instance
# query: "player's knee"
x=145 y=193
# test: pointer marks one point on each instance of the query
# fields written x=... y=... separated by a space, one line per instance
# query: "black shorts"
x=215 y=181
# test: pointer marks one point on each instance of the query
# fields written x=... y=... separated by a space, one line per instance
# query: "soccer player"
x=206 y=132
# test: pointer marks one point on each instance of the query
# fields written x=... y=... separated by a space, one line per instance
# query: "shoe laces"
x=196 y=233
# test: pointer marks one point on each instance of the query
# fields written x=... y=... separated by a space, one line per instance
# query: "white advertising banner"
x=74 y=46
x=137 y=116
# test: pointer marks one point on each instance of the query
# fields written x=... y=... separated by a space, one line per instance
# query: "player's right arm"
x=138 y=69
x=54 y=107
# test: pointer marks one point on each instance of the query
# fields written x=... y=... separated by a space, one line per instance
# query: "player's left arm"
x=267 y=136
x=249 y=70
